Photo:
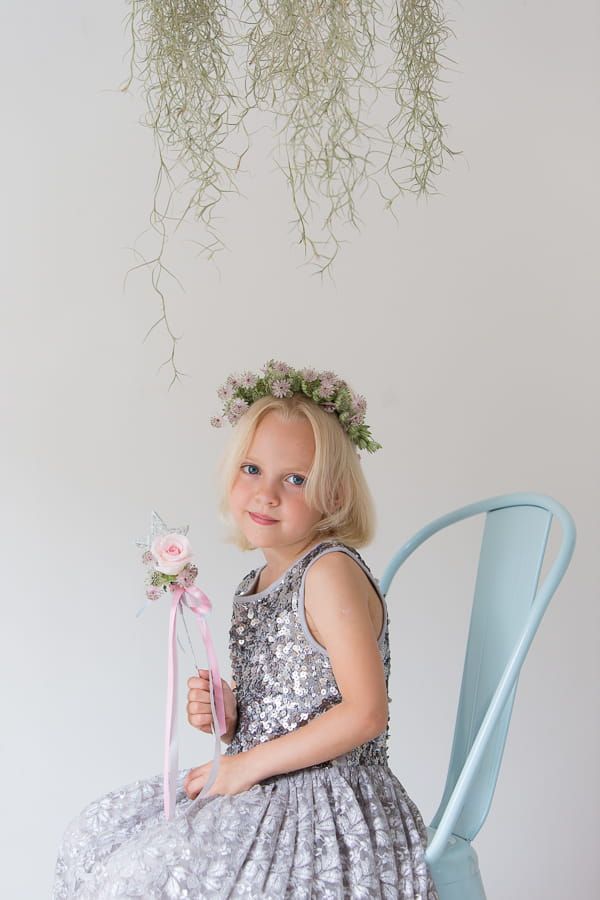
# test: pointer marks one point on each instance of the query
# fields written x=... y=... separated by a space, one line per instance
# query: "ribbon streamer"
x=198 y=603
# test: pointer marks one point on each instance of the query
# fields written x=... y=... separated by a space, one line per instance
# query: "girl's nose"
x=267 y=493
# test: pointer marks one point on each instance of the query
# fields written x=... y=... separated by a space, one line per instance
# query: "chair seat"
x=456 y=872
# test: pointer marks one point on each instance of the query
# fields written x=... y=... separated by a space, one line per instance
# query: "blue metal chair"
x=507 y=609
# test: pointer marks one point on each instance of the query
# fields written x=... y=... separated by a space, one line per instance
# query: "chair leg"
x=471 y=889
x=456 y=872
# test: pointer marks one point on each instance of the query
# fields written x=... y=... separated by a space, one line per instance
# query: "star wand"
x=167 y=554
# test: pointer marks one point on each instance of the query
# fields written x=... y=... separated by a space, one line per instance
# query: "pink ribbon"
x=198 y=603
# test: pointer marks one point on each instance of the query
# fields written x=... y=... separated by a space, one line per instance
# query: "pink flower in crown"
x=217 y=421
x=359 y=404
x=225 y=392
x=276 y=367
x=328 y=407
x=234 y=382
x=328 y=384
x=358 y=408
x=281 y=388
x=236 y=410
x=309 y=374
x=171 y=552
x=248 y=380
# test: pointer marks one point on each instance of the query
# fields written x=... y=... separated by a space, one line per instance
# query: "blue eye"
x=297 y=480
x=250 y=469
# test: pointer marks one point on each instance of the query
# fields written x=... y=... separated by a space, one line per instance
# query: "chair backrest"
x=507 y=609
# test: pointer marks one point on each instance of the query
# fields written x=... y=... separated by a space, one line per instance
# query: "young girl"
x=304 y=804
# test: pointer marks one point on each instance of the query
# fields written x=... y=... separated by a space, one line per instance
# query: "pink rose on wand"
x=171 y=553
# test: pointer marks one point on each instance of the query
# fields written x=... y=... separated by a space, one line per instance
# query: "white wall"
x=472 y=328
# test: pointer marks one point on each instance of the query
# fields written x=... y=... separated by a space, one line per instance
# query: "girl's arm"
x=339 y=603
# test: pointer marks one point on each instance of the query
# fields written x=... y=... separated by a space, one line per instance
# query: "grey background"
x=471 y=326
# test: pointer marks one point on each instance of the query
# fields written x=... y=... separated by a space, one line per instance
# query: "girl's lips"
x=262 y=520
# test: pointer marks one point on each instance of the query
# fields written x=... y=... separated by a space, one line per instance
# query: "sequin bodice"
x=283 y=676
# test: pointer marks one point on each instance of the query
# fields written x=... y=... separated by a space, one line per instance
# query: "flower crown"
x=277 y=379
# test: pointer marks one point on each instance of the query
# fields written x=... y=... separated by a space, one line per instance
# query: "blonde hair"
x=335 y=484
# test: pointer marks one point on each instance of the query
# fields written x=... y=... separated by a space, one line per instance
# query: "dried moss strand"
x=157 y=271
x=188 y=91
x=310 y=62
x=181 y=53
x=419 y=33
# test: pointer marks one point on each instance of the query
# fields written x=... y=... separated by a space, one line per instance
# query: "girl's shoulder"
x=338 y=585
x=333 y=555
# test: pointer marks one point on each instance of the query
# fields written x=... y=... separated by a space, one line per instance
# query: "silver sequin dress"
x=343 y=830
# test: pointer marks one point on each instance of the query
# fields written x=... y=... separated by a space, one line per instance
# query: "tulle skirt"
x=340 y=832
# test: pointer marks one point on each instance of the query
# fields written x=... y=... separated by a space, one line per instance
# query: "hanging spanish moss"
x=315 y=66
x=312 y=63
x=418 y=36
x=181 y=55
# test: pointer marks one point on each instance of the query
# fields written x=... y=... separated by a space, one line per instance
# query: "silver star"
x=158 y=526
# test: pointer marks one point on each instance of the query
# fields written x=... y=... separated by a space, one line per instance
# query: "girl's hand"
x=199 y=712
x=235 y=776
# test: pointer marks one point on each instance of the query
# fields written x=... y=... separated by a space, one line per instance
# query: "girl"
x=304 y=804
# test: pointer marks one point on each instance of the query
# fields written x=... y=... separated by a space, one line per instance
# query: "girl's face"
x=267 y=497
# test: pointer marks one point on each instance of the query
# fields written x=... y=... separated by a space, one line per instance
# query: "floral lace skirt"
x=343 y=832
